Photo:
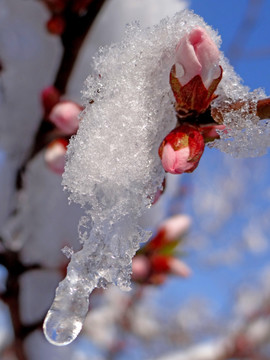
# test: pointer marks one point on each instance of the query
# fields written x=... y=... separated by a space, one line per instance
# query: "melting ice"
x=113 y=168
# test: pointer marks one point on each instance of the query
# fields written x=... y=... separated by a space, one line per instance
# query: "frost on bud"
x=196 y=73
x=181 y=149
x=65 y=116
x=55 y=155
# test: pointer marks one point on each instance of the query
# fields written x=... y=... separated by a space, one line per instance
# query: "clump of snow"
x=113 y=168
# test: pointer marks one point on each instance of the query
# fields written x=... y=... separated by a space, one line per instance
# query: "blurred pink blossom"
x=175 y=226
x=178 y=267
x=55 y=155
x=140 y=267
x=65 y=116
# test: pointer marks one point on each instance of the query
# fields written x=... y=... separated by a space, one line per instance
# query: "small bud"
x=196 y=73
x=65 y=116
x=181 y=149
x=50 y=96
x=174 y=227
x=56 y=25
x=140 y=268
x=55 y=155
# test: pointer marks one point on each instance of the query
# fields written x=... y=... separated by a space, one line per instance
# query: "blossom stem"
x=263 y=109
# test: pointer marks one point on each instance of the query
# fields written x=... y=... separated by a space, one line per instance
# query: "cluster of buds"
x=64 y=119
x=58 y=9
x=157 y=259
x=194 y=78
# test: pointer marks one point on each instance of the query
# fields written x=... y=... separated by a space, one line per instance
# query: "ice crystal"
x=246 y=135
x=113 y=168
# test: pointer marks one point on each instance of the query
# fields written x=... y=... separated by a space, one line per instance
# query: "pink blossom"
x=55 y=155
x=182 y=149
x=197 y=54
x=64 y=116
x=140 y=267
x=175 y=226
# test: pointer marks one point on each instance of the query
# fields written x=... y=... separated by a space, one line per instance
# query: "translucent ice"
x=246 y=135
x=113 y=168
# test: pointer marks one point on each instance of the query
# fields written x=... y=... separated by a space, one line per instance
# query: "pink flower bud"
x=196 y=73
x=55 y=155
x=64 y=116
x=181 y=149
x=197 y=54
x=140 y=268
x=175 y=226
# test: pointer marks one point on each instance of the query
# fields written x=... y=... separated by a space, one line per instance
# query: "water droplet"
x=179 y=70
x=65 y=318
x=61 y=331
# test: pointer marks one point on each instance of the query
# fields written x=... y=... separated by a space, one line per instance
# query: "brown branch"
x=75 y=32
x=263 y=110
x=77 y=27
x=10 y=260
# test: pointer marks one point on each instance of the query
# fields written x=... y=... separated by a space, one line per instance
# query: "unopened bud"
x=196 y=73
x=65 y=116
x=182 y=149
x=55 y=155
x=175 y=227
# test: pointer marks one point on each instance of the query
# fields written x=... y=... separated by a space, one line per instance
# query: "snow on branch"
x=113 y=168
